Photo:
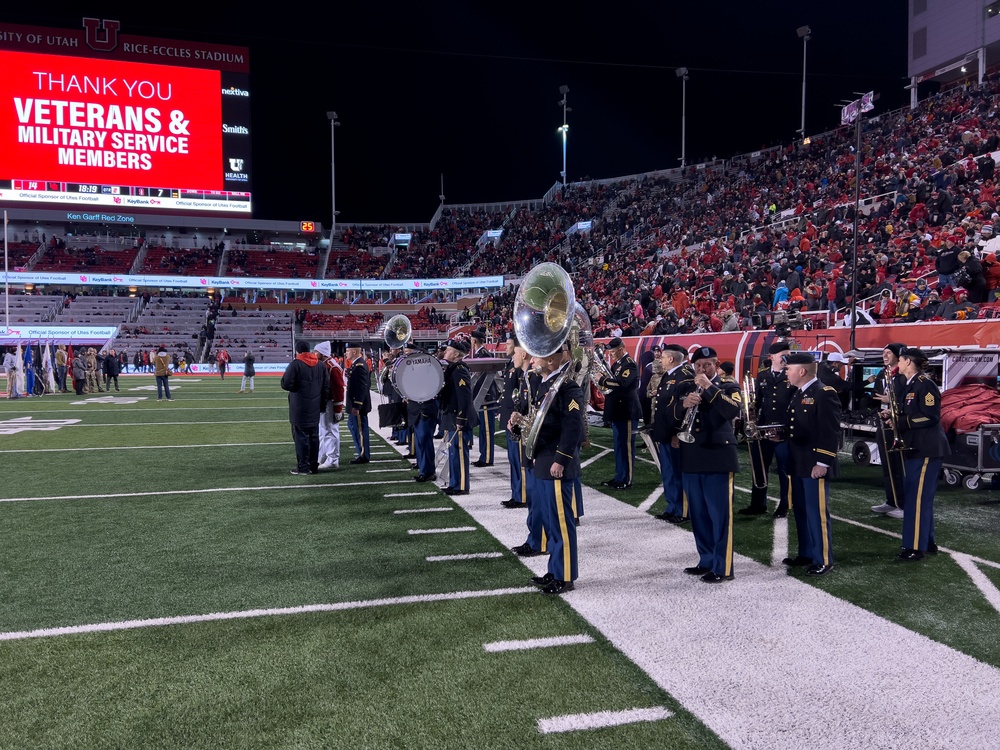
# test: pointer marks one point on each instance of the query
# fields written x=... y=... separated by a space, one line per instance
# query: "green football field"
x=165 y=582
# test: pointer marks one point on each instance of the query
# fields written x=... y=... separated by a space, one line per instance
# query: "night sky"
x=472 y=92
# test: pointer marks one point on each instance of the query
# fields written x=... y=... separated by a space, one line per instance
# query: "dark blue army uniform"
x=559 y=440
x=537 y=541
x=456 y=417
x=708 y=466
x=487 y=413
x=813 y=438
x=622 y=409
x=920 y=427
x=774 y=393
x=510 y=398
x=422 y=417
x=891 y=461
x=665 y=428
x=359 y=396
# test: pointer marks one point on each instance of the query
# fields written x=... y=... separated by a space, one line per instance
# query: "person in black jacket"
x=555 y=467
x=813 y=440
x=891 y=461
x=926 y=445
x=623 y=409
x=457 y=413
x=308 y=391
x=112 y=368
x=487 y=415
x=510 y=397
x=705 y=409
x=359 y=401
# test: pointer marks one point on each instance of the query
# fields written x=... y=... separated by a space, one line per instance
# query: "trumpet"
x=685 y=435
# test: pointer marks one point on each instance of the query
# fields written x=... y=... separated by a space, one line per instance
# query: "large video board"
x=94 y=118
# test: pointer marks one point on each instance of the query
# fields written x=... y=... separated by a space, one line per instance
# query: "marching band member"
x=513 y=383
x=555 y=467
x=676 y=374
x=329 y=418
x=488 y=411
x=536 y=542
x=359 y=401
x=920 y=427
x=709 y=463
x=456 y=415
x=774 y=392
x=422 y=416
x=813 y=439
x=885 y=382
x=622 y=408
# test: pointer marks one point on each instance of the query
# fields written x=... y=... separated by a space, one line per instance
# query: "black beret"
x=656 y=348
x=676 y=348
x=779 y=346
x=459 y=345
x=895 y=347
x=615 y=343
x=912 y=352
x=704 y=352
x=800 y=358
x=479 y=334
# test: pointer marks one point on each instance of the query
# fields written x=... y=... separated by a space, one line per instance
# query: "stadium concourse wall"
x=746 y=349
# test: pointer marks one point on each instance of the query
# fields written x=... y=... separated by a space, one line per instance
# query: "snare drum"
x=418 y=377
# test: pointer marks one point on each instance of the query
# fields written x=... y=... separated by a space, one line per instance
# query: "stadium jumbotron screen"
x=97 y=119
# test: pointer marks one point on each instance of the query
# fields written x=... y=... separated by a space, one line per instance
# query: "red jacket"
x=337 y=384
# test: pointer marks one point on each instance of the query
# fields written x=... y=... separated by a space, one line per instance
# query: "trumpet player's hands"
x=692 y=399
x=882 y=397
x=701 y=380
x=675 y=442
x=818 y=472
x=514 y=419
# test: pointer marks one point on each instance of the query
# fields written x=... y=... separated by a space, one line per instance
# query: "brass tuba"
x=545 y=316
x=397 y=332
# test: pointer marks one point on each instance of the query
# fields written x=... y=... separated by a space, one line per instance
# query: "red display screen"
x=81 y=120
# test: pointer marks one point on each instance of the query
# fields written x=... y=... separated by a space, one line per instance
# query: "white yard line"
x=650 y=501
x=602 y=719
x=533 y=643
x=984 y=584
x=469 y=556
x=589 y=461
x=421 y=510
x=158 y=424
x=448 y=530
x=208 y=490
x=141 y=447
x=751 y=658
x=779 y=544
x=388 y=471
x=105 y=627
x=410 y=494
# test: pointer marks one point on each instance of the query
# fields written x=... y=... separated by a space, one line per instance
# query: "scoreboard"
x=96 y=118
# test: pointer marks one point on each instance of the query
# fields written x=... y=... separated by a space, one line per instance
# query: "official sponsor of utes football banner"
x=103 y=121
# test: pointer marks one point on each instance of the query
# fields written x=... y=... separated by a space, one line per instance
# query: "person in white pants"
x=333 y=413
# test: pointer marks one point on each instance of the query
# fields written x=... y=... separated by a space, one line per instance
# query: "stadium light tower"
x=682 y=73
x=334 y=124
x=804 y=33
x=564 y=129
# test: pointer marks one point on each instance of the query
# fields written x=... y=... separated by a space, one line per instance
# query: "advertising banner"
x=57 y=334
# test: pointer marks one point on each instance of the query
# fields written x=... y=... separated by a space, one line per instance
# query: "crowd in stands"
x=317 y=321
x=183 y=262
x=272 y=263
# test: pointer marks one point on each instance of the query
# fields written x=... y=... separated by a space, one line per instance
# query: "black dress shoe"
x=818 y=570
x=455 y=491
x=797 y=561
x=400 y=442
x=558 y=587
x=697 y=570
x=299 y=473
x=715 y=578
x=780 y=514
x=410 y=455
x=360 y=460
x=425 y=478
x=512 y=503
x=622 y=486
x=525 y=550
x=609 y=483
x=481 y=464
x=544 y=580
x=665 y=516
x=678 y=520
x=911 y=555
x=932 y=549
x=751 y=511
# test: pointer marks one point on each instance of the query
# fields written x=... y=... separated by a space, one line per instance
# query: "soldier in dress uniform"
x=513 y=383
x=774 y=392
x=457 y=415
x=677 y=373
x=555 y=467
x=813 y=439
x=422 y=416
x=920 y=427
x=622 y=408
x=359 y=402
x=886 y=381
x=530 y=395
x=488 y=411
x=391 y=395
x=708 y=463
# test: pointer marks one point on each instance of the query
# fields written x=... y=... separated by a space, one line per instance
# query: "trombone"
x=751 y=430
x=898 y=446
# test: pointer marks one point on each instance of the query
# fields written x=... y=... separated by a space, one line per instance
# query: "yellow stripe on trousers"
x=484 y=427
x=461 y=461
x=823 y=520
x=729 y=541
x=920 y=497
x=561 y=513
x=628 y=449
